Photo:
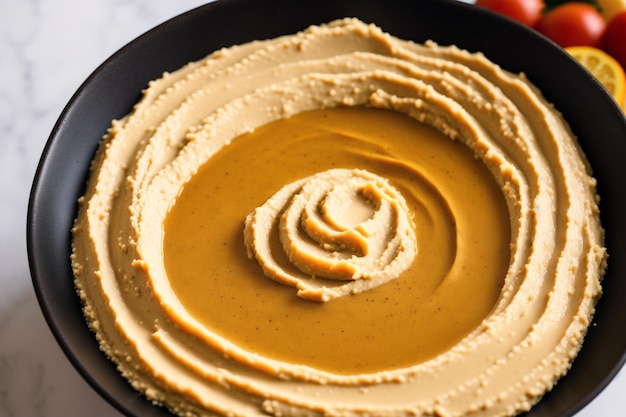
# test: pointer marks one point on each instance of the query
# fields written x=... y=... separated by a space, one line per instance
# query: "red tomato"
x=573 y=24
x=527 y=12
x=614 y=39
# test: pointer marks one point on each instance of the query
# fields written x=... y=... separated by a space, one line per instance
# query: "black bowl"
x=115 y=86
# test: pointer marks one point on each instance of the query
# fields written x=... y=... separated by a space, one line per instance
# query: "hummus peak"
x=344 y=230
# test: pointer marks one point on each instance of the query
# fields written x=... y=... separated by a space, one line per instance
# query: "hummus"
x=340 y=223
x=326 y=230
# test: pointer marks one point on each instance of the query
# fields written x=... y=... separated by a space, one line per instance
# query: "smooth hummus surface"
x=340 y=223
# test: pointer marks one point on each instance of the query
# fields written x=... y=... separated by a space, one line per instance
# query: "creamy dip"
x=459 y=221
x=340 y=223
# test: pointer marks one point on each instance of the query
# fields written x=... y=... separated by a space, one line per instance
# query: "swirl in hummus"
x=319 y=234
x=188 y=119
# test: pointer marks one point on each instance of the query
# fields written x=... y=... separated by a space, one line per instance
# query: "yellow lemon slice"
x=609 y=8
x=605 y=68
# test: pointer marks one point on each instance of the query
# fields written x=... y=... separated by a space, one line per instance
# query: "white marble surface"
x=47 y=48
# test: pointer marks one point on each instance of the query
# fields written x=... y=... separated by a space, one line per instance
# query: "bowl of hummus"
x=277 y=208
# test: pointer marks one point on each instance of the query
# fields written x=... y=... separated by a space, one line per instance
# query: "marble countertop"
x=47 y=49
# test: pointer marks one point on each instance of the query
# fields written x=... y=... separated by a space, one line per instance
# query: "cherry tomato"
x=614 y=39
x=573 y=24
x=526 y=12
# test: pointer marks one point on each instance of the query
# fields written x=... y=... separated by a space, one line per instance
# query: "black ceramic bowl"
x=114 y=87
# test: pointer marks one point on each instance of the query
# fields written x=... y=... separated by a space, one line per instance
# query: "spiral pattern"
x=344 y=230
x=502 y=368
